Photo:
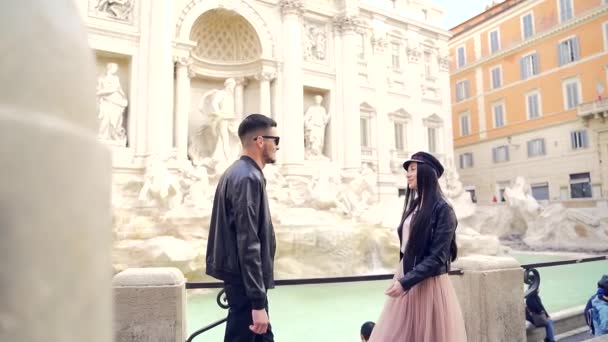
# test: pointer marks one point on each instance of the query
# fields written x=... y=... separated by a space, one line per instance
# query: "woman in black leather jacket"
x=422 y=304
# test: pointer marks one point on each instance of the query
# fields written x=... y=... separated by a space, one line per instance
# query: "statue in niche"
x=315 y=43
x=315 y=121
x=112 y=102
x=116 y=9
x=216 y=142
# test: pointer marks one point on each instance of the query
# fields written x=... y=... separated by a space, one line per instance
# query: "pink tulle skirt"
x=429 y=312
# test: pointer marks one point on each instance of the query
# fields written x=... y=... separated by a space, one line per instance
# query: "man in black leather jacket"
x=241 y=244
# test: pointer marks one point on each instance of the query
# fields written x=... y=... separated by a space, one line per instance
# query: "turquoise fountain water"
x=334 y=312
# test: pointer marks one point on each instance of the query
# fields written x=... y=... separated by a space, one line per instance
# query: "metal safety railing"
x=223 y=302
x=531 y=278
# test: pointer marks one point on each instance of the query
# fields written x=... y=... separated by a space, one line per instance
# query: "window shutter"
x=542 y=147
x=522 y=68
x=575 y=48
x=494 y=154
x=530 y=148
x=536 y=64
x=461 y=163
x=506 y=153
x=584 y=139
x=560 y=54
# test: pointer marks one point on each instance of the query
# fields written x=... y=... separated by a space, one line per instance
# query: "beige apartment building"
x=528 y=80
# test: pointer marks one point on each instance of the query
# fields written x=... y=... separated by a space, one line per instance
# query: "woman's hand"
x=395 y=290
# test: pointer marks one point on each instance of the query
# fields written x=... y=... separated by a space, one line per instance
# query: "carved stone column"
x=156 y=77
x=347 y=25
x=265 y=100
x=183 y=74
x=293 y=112
x=239 y=100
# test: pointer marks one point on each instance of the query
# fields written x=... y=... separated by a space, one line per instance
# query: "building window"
x=396 y=56
x=579 y=139
x=533 y=105
x=365 y=132
x=427 y=65
x=501 y=189
x=494 y=41
x=500 y=154
x=465 y=129
x=580 y=185
x=498 y=110
x=568 y=51
x=529 y=66
x=462 y=90
x=565 y=10
x=605 y=26
x=536 y=147
x=571 y=94
x=466 y=160
x=472 y=194
x=527 y=26
x=432 y=135
x=496 y=74
x=361 y=47
x=462 y=60
x=400 y=136
x=540 y=191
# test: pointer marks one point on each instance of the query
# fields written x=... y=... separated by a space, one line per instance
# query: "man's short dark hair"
x=253 y=123
x=366 y=329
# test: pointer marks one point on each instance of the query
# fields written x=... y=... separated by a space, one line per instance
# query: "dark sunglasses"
x=275 y=138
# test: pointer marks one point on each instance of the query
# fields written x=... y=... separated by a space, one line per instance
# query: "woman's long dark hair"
x=427 y=193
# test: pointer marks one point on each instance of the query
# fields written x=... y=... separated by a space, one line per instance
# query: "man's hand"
x=395 y=290
x=260 y=321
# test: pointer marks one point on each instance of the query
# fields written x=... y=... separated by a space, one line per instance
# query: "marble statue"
x=194 y=182
x=160 y=186
x=315 y=121
x=112 y=102
x=117 y=9
x=217 y=137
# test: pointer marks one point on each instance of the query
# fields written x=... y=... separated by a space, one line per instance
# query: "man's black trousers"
x=239 y=317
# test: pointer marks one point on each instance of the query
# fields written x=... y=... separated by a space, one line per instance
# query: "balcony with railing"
x=597 y=109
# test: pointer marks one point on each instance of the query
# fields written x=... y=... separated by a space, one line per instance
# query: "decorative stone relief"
x=291 y=7
x=345 y=23
x=315 y=121
x=115 y=9
x=413 y=55
x=315 y=42
x=429 y=92
x=112 y=102
x=444 y=63
x=380 y=44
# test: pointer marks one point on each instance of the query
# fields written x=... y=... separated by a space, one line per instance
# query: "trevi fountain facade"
x=354 y=86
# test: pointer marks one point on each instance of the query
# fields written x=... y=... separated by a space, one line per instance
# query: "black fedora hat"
x=425 y=158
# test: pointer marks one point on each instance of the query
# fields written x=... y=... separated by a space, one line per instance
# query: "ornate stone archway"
x=196 y=8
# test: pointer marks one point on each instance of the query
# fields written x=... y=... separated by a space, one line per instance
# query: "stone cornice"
x=113 y=33
x=534 y=40
x=292 y=7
